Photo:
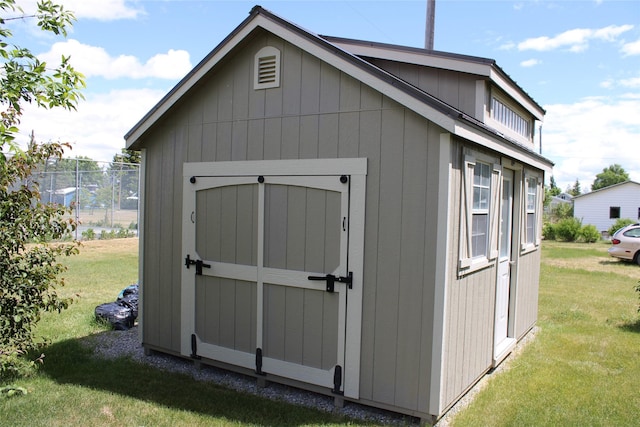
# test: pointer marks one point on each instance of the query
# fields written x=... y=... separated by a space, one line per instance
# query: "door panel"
x=260 y=240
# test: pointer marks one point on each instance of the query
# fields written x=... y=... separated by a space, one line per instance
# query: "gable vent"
x=267 y=68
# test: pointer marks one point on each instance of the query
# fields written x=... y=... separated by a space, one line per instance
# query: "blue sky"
x=579 y=59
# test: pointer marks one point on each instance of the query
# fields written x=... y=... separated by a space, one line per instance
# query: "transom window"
x=514 y=121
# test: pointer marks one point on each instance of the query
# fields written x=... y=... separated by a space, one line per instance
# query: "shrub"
x=589 y=234
x=620 y=222
x=549 y=231
x=568 y=229
x=89 y=234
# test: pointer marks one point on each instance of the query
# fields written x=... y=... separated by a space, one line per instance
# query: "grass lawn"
x=583 y=368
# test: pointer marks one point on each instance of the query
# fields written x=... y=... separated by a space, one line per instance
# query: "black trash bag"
x=128 y=297
x=119 y=316
x=122 y=313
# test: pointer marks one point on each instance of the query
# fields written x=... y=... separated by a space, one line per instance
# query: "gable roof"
x=605 y=189
x=422 y=103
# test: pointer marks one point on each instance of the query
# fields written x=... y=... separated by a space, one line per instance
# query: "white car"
x=625 y=243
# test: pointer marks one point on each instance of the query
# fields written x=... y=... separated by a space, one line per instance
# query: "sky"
x=578 y=59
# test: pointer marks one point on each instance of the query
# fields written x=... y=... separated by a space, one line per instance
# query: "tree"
x=554 y=190
x=575 y=190
x=610 y=175
x=30 y=274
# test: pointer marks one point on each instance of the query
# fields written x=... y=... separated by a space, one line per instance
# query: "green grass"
x=75 y=388
x=583 y=368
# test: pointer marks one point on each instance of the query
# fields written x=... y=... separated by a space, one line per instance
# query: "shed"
x=65 y=196
x=604 y=206
x=353 y=218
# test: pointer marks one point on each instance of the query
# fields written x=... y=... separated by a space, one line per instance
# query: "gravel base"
x=114 y=344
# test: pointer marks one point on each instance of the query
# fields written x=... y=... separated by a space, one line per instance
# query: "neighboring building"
x=353 y=218
x=560 y=199
x=65 y=196
x=604 y=206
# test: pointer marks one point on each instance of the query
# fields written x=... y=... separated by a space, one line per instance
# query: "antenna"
x=430 y=27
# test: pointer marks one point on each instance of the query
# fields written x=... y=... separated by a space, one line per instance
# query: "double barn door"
x=272 y=271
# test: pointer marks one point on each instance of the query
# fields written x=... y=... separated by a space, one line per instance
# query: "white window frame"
x=467 y=261
x=531 y=212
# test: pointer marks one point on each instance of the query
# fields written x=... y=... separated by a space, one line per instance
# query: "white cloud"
x=632 y=82
x=530 y=63
x=576 y=40
x=589 y=135
x=103 y=10
x=97 y=128
x=632 y=48
x=95 y=61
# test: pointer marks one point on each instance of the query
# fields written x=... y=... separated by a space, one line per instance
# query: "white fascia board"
x=503 y=147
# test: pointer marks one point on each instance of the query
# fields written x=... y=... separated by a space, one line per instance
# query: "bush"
x=589 y=234
x=568 y=229
x=549 y=231
x=620 y=222
x=89 y=234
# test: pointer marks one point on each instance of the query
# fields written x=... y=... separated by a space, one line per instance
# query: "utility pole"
x=431 y=23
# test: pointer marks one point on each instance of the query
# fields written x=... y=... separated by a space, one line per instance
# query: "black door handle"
x=331 y=280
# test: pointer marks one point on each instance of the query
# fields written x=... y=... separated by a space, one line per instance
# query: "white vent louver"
x=267 y=68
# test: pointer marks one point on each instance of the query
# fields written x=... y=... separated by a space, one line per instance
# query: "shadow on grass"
x=631 y=326
x=69 y=362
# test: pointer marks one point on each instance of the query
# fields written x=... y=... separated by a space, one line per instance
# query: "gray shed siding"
x=318 y=112
x=470 y=299
x=454 y=88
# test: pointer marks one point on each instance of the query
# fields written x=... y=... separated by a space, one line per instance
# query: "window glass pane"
x=479 y=235
x=481 y=186
x=530 y=227
x=614 y=212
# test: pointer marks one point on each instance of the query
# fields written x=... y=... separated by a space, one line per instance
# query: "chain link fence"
x=103 y=195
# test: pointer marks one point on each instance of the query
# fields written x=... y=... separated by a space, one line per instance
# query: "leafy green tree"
x=30 y=274
x=613 y=174
x=575 y=190
x=554 y=190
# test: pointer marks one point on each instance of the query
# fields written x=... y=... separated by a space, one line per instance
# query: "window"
x=532 y=197
x=531 y=206
x=479 y=214
x=614 y=212
x=267 y=68
x=506 y=116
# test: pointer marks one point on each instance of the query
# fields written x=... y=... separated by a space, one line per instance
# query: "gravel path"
x=114 y=344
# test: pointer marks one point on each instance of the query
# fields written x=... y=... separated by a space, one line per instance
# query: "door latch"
x=198 y=263
x=331 y=280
